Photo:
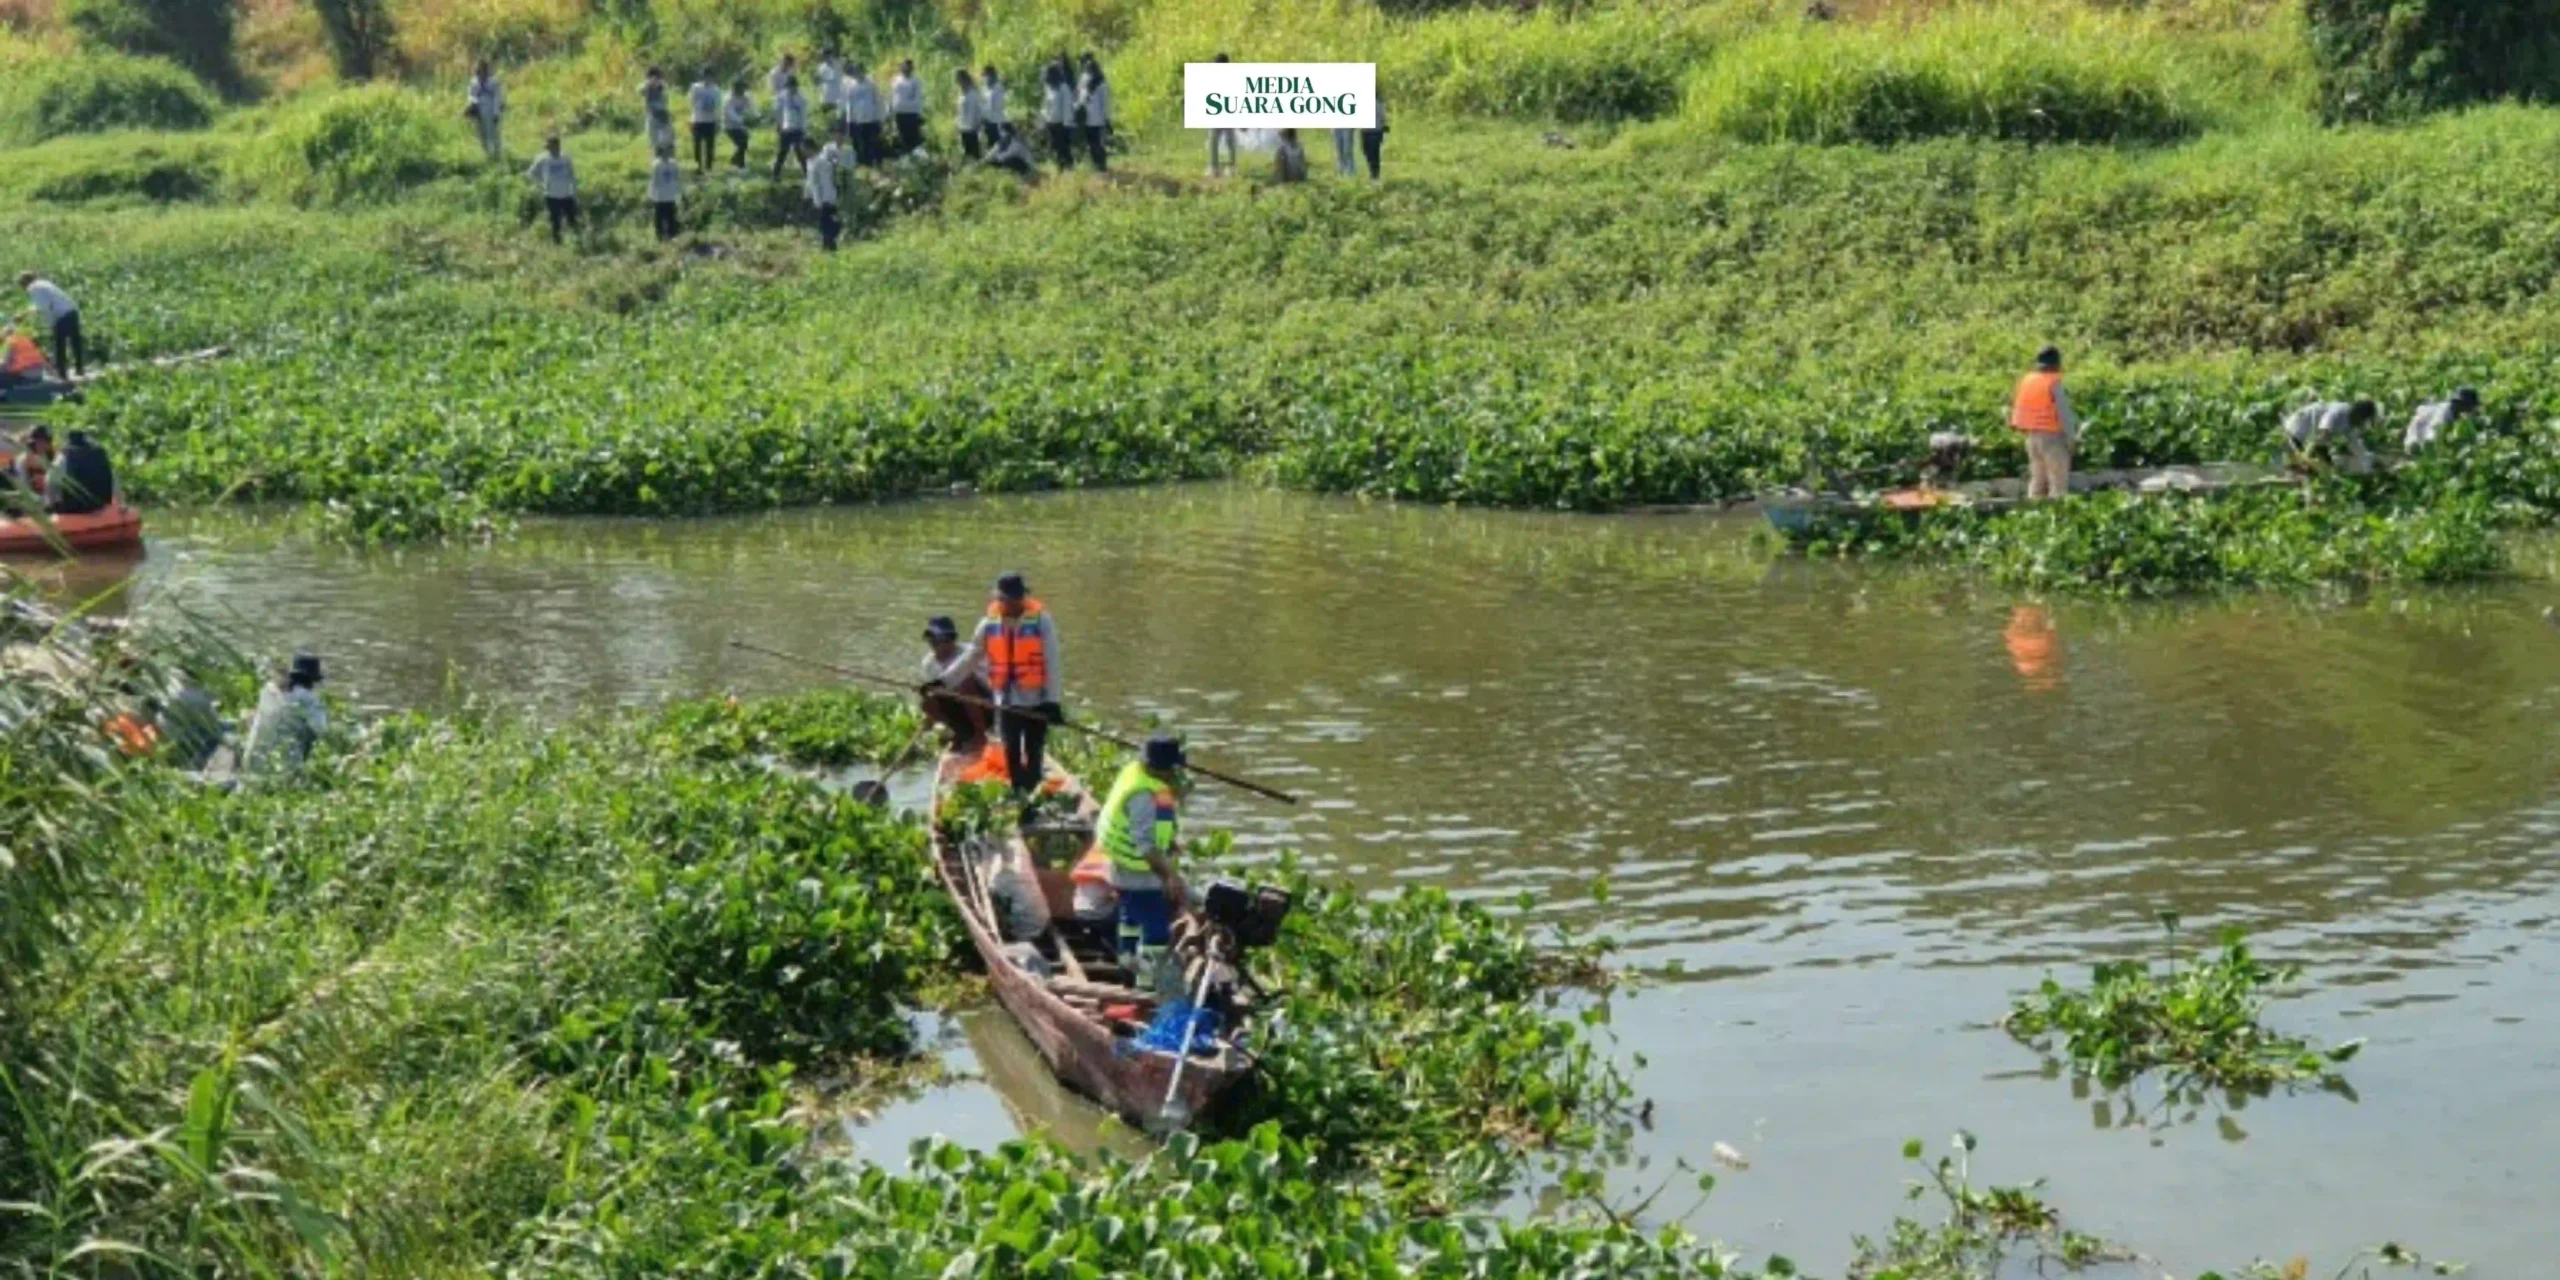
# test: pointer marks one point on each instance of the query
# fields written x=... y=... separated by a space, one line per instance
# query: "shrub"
x=195 y=34
x=95 y=93
x=364 y=145
x=1972 y=75
x=115 y=166
x=1619 y=64
x=2385 y=58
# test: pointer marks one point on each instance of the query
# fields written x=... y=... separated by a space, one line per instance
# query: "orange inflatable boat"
x=116 y=527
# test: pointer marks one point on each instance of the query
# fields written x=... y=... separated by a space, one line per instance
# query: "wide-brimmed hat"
x=1164 y=751
x=305 y=669
x=1011 y=586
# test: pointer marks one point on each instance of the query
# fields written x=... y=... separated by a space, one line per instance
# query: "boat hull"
x=1080 y=1048
x=117 y=528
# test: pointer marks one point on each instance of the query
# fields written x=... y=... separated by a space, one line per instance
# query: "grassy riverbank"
x=1701 y=299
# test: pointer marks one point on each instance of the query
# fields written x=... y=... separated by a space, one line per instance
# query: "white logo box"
x=1280 y=95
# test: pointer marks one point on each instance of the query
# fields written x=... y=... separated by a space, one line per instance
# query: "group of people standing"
x=862 y=126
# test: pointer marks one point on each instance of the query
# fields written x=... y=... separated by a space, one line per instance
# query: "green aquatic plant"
x=1982 y=1231
x=2151 y=545
x=2200 y=1020
x=2386 y=1257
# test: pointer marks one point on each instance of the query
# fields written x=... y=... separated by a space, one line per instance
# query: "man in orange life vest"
x=1020 y=642
x=2042 y=413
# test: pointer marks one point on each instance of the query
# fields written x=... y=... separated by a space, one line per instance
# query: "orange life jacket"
x=1017 y=657
x=21 y=356
x=2037 y=409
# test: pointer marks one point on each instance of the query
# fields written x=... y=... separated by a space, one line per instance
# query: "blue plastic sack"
x=1164 y=1035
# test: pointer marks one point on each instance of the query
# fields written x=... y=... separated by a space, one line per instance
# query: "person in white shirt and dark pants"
x=906 y=105
x=862 y=117
x=666 y=187
x=971 y=113
x=736 y=111
x=485 y=102
x=1093 y=103
x=1218 y=138
x=1058 y=109
x=558 y=179
x=704 y=99
x=791 y=127
x=821 y=188
x=997 y=119
x=70 y=349
x=1373 y=140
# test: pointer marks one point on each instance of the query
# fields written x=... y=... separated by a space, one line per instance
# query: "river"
x=1842 y=813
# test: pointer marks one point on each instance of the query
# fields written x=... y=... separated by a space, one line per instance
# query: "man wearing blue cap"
x=1019 y=641
x=1134 y=845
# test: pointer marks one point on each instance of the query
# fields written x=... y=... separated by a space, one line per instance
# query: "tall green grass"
x=357 y=146
x=1972 y=74
x=1617 y=63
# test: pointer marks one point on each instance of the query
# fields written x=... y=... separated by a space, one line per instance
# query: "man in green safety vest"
x=1133 y=850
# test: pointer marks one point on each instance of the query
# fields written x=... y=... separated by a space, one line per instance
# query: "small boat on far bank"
x=1064 y=983
x=1799 y=513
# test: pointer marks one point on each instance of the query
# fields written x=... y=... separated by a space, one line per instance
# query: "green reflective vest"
x=1118 y=841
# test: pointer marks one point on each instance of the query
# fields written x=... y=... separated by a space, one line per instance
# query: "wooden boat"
x=115 y=528
x=1801 y=514
x=37 y=393
x=1079 y=1014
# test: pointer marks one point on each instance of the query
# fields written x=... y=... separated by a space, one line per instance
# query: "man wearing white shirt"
x=1093 y=103
x=791 y=127
x=666 y=187
x=558 y=179
x=787 y=69
x=2333 y=431
x=906 y=103
x=821 y=188
x=955 y=691
x=736 y=112
x=70 y=348
x=971 y=114
x=996 y=120
x=485 y=102
x=830 y=76
x=862 y=115
x=704 y=99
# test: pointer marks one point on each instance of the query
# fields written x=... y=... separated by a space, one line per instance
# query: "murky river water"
x=1857 y=808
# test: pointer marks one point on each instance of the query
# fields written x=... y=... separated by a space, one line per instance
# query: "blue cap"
x=1011 y=587
x=941 y=627
x=1164 y=751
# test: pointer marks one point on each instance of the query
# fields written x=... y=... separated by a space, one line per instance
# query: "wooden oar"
x=909 y=686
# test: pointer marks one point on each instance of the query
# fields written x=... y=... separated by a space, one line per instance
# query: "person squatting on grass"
x=485 y=103
x=704 y=100
x=666 y=187
x=558 y=179
x=736 y=112
x=1093 y=107
x=791 y=127
x=906 y=105
x=820 y=185
x=1013 y=153
x=62 y=316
